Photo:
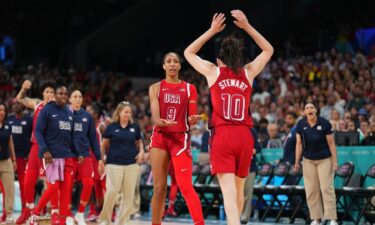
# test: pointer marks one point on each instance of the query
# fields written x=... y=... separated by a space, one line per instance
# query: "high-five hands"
x=217 y=24
x=240 y=18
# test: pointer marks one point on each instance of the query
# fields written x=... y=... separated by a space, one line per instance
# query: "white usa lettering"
x=16 y=129
x=64 y=125
x=172 y=98
x=78 y=127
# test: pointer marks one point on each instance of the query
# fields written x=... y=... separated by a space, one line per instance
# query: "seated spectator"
x=363 y=130
x=351 y=126
x=370 y=139
x=274 y=140
x=335 y=118
x=342 y=126
x=362 y=115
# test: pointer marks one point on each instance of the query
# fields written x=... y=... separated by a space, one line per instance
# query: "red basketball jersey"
x=37 y=110
x=230 y=99
x=173 y=104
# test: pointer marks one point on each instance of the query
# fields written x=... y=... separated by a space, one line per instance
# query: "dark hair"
x=98 y=108
x=6 y=110
x=73 y=90
x=60 y=82
x=47 y=84
x=293 y=114
x=231 y=52
x=169 y=53
x=309 y=101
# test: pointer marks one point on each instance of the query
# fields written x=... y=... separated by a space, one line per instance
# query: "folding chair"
x=280 y=174
x=264 y=177
x=344 y=172
x=361 y=198
x=288 y=189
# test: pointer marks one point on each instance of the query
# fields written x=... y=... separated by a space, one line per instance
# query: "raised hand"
x=240 y=18
x=217 y=24
x=26 y=85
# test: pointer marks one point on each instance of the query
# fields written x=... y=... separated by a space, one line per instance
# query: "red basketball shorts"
x=231 y=150
x=174 y=143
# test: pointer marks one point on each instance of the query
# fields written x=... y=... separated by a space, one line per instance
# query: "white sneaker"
x=103 y=223
x=69 y=221
x=80 y=218
x=333 y=222
x=315 y=222
x=9 y=220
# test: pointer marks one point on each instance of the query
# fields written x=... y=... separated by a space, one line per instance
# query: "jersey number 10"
x=233 y=106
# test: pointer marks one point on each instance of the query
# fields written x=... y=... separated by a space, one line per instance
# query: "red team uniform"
x=34 y=163
x=33 y=170
x=177 y=102
x=174 y=102
x=231 y=140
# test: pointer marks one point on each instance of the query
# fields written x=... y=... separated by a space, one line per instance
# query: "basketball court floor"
x=145 y=220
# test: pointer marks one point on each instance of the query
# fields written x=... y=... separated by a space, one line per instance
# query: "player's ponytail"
x=231 y=53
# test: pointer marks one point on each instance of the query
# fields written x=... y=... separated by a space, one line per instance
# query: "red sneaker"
x=55 y=219
x=171 y=212
x=26 y=213
x=20 y=218
x=3 y=216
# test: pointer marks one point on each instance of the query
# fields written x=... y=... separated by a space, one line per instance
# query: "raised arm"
x=257 y=65
x=21 y=96
x=205 y=67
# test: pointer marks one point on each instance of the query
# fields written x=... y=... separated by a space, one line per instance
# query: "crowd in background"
x=342 y=85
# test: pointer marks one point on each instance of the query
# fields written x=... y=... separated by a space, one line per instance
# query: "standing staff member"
x=122 y=143
x=7 y=163
x=316 y=143
x=21 y=128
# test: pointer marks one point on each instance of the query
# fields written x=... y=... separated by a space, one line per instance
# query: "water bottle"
x=221 y=213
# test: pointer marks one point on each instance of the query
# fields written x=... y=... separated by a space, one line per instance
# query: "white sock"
x=30 y=205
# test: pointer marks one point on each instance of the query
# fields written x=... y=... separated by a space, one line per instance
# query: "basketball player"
x=173 y=107
x=96 y=111
x=230 y=87
x=54 y=133
x=21 y=128
x=34 y=165
x=85 y=132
